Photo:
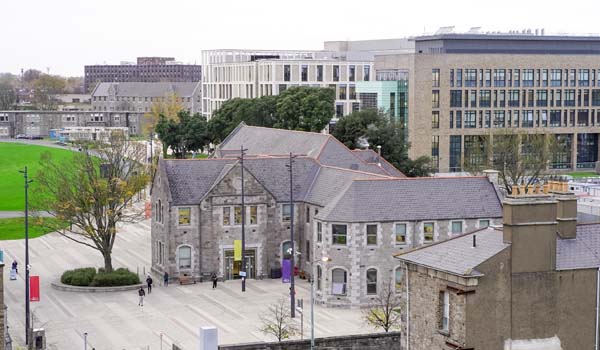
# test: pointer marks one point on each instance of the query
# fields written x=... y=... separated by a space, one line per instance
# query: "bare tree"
x=168 y=106
x=93 y=191
x=519 y=157
x=384 y=313
x=278 y=322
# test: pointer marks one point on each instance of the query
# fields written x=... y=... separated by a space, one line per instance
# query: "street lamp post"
x=27 y=310
x=312 y=300
x=293 y=258
x=85 y=341
x=243 y=271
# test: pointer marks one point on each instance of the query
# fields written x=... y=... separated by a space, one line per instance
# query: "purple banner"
x=286 y=271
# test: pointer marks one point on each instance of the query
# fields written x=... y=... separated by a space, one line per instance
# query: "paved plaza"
x=115 y=321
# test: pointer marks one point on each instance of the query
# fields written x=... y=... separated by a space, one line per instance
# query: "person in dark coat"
x=149 y=283
x=213 y=277
x=141 y=293
x=166 y=279
x=15 y=266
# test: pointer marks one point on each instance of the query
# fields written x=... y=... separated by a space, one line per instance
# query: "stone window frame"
x=443 y=311
x=179 y=216
x=319 y=277
x=407 y=238
x=333 y=242
x=463 y=225
x=283 y=218
x=185 y=269
x=422 y=231
x=319 y=232
x=377 y=240
x=483 y=219
x=371 y=268
x=345 y=287
x=228 y=216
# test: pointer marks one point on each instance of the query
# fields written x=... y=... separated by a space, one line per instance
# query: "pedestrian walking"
x=141 y=293
x=166 y=279
x=214 y=280
x=15 y=266
x=149 y=283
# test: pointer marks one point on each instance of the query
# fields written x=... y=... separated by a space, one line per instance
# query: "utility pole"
x=27 y=311
x=292 y=262
x=151 y=149
x=243 y=272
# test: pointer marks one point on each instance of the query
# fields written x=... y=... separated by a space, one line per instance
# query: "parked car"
x=20 y=136
x=35 y=137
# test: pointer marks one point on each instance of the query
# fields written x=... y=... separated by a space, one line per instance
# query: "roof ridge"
x=425 y=178
x=379 y=176
x=286 y=130
x=439 y=242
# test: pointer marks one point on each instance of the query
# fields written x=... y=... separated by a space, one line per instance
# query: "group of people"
x=142 y=292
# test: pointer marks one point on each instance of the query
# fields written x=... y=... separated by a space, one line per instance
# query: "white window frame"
x=480 y=220
x=367 y=235
x=406 y=235
x=345 y=284
x=178 y=222
x=283 y=218
x=179 y=267
x=423 y=241
x=347 y=235
x=367 y=280
x=445 y=312
x=451 y=231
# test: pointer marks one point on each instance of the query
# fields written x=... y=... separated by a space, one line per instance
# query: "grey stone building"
x=532 y=284
x=139 y=97
x=344 y=208
x=40 y=123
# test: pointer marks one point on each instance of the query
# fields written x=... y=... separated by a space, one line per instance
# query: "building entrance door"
x=232 y=268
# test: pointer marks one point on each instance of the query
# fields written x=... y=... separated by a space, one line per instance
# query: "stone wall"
x=375 y=341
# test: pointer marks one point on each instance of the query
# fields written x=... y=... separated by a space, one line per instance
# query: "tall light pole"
x=27 y=310
x=312 y=300
x=85 y=341
x=243 y=272
x=293 y=258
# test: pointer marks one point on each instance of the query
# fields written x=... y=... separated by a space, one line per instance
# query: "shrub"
x=79 y=277
x=89 y=277
x=119 y=277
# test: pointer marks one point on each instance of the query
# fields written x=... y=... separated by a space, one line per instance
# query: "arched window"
x=319 y=276
x=159 y=211
x=338 y=281
x=398 y=279
x=184 y=257
x=371 y=281
x=286 y=250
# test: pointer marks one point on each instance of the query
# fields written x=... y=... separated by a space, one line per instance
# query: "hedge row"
x=88 y=277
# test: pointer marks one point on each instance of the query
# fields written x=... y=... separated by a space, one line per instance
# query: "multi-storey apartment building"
x=139 y=97
x=255 y=73
x=147 y=69
x=463 y=88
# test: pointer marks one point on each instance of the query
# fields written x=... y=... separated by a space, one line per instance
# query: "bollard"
x=209 y=338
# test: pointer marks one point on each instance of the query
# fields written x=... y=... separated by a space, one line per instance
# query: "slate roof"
x=146 y=89
x=261 y=141
x=582 y=252
x=457 y=255
x=370 y=156
x=415 y=199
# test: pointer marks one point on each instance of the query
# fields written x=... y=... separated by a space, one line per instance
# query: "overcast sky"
x=65 y=35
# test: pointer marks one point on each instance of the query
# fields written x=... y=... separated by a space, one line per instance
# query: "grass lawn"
x=14 y=157
x=581 y=174
x=14 y=228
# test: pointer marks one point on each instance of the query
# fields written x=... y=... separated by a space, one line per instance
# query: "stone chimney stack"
x=492 y=176
x=566 y=210
x=530 y=226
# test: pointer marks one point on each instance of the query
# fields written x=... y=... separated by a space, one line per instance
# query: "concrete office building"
x=346 y=207
x=40 y=123
x=463 y=88
x=531 y=284
x=139 y=97
x=147 y=69
x=255 y=73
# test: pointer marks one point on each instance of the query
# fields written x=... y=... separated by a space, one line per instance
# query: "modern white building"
x=229 y=74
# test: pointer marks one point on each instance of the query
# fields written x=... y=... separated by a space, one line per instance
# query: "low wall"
x=68 y=288
x=373 y=341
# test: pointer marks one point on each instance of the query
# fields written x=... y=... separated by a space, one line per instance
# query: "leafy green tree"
x=95 y=194
x=373 y=128
x=45 y=87
x=305 y=108
x=186 y=134
x=297 y=108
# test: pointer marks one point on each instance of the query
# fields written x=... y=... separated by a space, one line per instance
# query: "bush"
x=79 y=277
x=89 y=277
x=119 y=277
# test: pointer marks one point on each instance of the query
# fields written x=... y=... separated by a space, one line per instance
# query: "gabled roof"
x=457 y=255
x=371 y=157
x=145 y=89
x=582 y=252
x=261 y=141
x=395 y=199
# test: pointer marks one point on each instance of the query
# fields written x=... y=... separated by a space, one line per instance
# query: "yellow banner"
x=237 y=250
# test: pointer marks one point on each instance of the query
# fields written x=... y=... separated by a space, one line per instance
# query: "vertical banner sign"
x=34 y=288
x=237 y=250
x=286 y=271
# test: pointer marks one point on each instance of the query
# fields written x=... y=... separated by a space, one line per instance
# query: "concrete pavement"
x=115 y=321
